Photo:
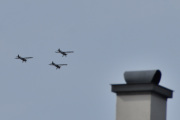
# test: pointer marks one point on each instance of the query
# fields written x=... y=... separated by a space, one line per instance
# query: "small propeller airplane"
x=58 y=66
x=64 y=53
x=24 y=59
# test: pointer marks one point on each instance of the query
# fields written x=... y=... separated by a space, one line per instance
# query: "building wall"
x=158 y=107
x=133 y=107
x=147 y=106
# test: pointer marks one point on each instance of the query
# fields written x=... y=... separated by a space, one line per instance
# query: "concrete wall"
x=145 y=106
x=133 y=107
x=158 y=107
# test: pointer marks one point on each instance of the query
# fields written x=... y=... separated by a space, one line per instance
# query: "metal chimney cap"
x=146 y=76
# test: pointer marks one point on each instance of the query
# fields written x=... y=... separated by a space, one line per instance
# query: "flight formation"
x=58 y=66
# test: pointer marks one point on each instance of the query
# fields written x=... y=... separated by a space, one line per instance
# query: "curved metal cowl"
x=146 y=76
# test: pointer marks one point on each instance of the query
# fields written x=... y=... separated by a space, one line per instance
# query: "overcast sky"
x=108 y=37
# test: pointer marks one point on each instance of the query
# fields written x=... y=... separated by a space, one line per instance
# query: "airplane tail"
x=52 y=63
x=58 y=51
x=17 y=57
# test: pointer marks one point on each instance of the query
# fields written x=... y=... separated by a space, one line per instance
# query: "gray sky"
x=108 y=37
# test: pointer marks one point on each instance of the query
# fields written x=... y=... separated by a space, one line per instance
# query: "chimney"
x=141 y=98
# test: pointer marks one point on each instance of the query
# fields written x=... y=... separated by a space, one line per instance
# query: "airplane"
x=58 y=66
x=24 y=59
x=64 y=53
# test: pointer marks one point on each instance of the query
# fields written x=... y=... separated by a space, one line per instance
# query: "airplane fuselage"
x=58 y=66
x=24 y=59
x=64 y=53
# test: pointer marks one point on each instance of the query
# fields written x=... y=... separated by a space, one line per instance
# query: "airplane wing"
x=28 y=57
x=69 y=51
x=61 y=64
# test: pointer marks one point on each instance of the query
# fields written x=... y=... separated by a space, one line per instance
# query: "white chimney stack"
x=141 y=98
